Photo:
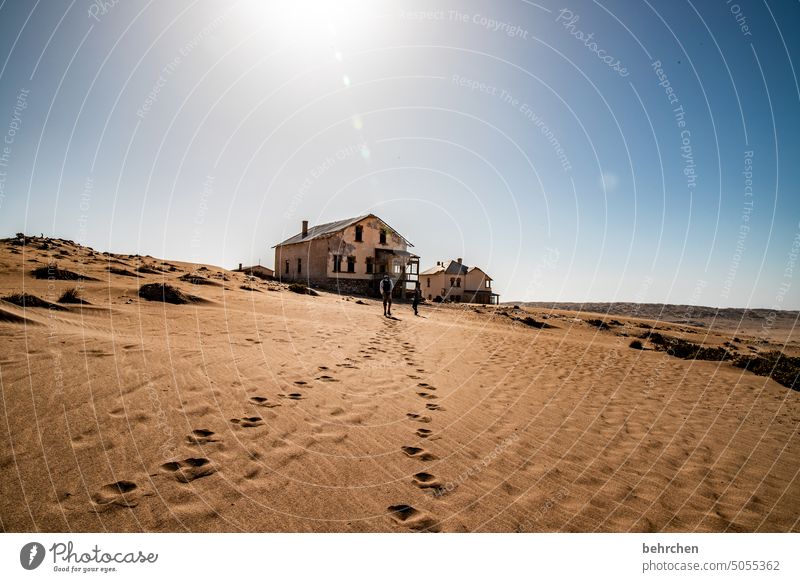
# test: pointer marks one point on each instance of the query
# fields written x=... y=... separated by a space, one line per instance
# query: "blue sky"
x=537 y=140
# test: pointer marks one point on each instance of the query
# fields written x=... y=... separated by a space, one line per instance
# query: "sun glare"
x=309 y=22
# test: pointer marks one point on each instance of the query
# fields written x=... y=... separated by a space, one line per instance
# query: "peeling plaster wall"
x=317 y=258
x=475 y=281
x=314 y=255
x=345 y=244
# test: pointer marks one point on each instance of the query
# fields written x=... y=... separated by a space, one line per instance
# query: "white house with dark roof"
x=349 y=256
x=455 y=281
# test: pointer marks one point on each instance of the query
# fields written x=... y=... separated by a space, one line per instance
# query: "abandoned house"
x=348 y=256
x=454 y=281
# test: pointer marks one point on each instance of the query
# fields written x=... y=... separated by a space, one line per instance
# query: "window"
x=337 y=263
x=299 y=266
x=359 y=233
x=383 y=236
x=452 y=281
x=286 y=268
x=429 y=281
x=458 y=282
x=397 y=267
x=487 y=284
x=370 y=265
x=351 y=264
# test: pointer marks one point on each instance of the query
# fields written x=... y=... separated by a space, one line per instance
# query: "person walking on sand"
x=386 y=291
x=417 y=297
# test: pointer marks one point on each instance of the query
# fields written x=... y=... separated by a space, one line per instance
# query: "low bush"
x=72 y=296
x=166 y=293
x=301 y=289
x=785 y=370
x=198 y=280
x=655 y=337
x=531 y=322
x=28 y=300
x=122 y=272
x=687 y=350
x=147 y=270
x=53 y=272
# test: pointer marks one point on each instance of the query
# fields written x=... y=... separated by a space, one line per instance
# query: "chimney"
x=305 y=228
x=458 y=260
x=240 y=266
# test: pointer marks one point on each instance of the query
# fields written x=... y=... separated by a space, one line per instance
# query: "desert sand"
x=258 y=409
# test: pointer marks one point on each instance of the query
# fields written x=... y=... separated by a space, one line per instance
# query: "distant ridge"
x=698 y=315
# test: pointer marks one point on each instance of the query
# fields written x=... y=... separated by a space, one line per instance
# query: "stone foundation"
x=365 y=287
x=350 y=286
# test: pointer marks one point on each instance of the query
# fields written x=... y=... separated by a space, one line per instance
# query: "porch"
x=402 y=268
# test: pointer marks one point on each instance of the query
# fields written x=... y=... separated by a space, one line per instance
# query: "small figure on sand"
x=417 y=297
x=386 y=291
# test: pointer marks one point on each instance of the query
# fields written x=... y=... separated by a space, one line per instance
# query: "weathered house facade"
x=348 y=256
x=455 y=281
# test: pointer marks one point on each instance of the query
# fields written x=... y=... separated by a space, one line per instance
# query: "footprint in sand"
x=262 y=401
x=121 y=493
x=426 y=395
x=201 y=436
x=425 y=480
x=424 y=432
x=418 y=453
x=189 y=469
x=426 y=386
x=292 y=396
x=248 y=421
x=433 y=406
x=412 y=518
x=418 y=417
x=327 y=379
x=300 y=383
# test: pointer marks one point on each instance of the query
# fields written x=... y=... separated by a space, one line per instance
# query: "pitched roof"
x=452 y=268
x=481 y=270
x=455 y=268
x=321 y=230
x=433 y=270
x=332 y=228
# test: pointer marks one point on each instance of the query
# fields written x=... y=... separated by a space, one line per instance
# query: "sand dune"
x=274 y=411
